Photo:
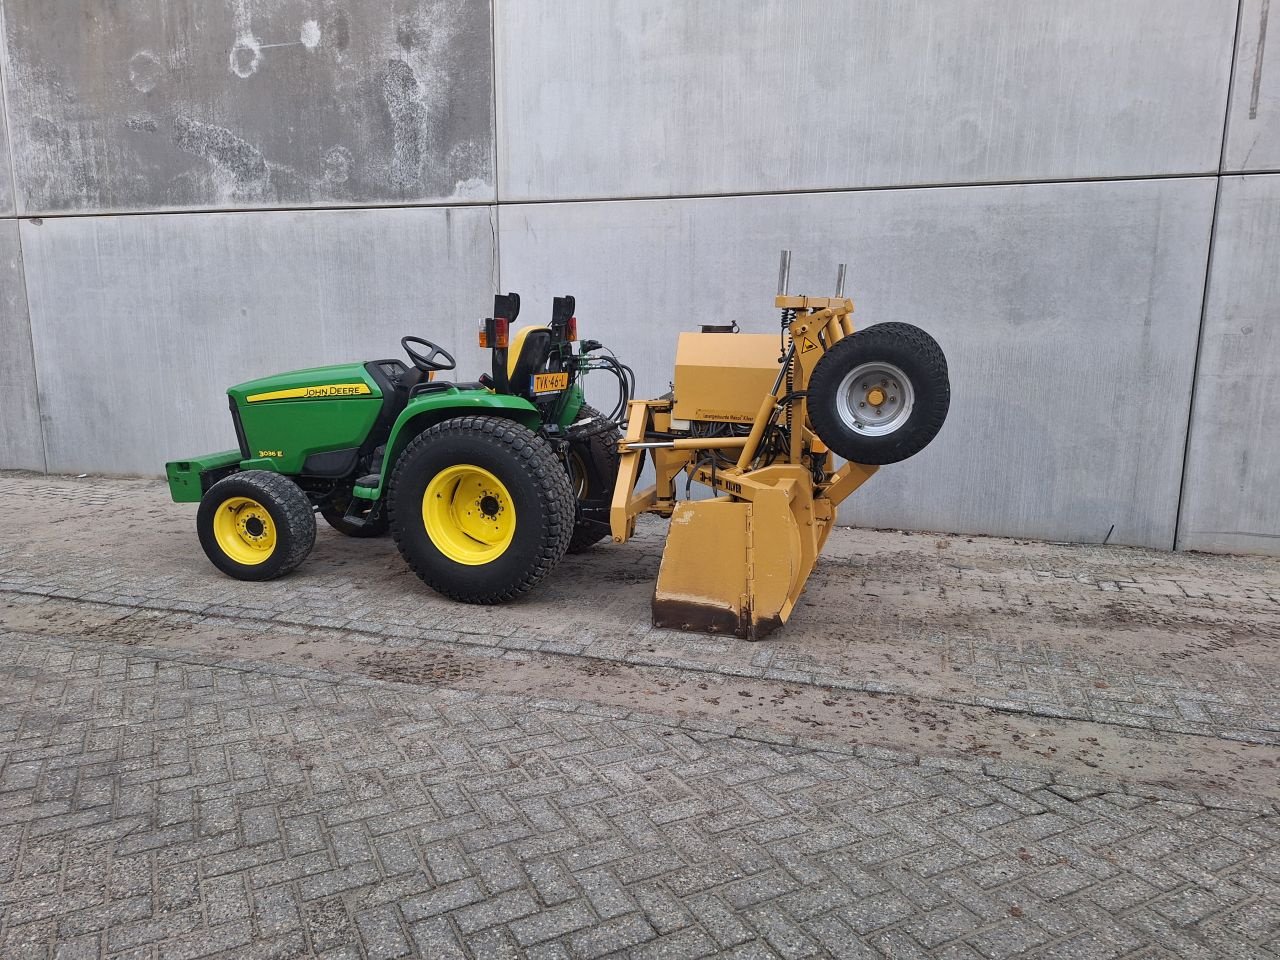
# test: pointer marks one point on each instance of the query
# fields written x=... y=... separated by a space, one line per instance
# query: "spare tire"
x=880 y=395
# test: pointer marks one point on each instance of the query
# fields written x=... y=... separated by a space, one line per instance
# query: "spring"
x=788 y=315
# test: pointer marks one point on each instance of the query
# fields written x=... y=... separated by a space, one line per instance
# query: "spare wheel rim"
x=875 y=399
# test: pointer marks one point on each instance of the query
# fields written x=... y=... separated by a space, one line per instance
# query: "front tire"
x=256 y=525
x=481 y=510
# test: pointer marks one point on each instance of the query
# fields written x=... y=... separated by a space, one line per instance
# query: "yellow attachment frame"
x=738 y=562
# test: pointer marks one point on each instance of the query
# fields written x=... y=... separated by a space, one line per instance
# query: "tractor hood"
x=340 y=381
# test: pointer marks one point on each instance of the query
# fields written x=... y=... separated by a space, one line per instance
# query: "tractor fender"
x=427 y=410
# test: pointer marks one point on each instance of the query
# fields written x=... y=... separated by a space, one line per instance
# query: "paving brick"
x=719 y=920
x=445 y=899
x=275 y=911
x=381 y=935
x=620 y=933
x=552 y=922
x=502 y=908
x=327 y=924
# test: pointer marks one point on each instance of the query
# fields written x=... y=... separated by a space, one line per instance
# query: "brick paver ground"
x=162 y=807
x=177 y=780
x=1036 y=628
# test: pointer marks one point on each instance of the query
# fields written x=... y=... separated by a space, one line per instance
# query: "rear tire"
x=481 y=509
x=256 y=525
x=593 y=470
x=880 y=395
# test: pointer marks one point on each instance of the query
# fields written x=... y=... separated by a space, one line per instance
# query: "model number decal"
x=270 y=453
x=321 y=391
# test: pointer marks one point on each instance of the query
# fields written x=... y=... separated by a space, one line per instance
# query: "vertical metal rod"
x=840 y=279
x=784 y=273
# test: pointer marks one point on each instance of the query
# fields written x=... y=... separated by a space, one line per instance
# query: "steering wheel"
x=427 y=362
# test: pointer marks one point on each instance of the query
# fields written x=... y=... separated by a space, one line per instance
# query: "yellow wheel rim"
x=245 y=531
x=469 y=514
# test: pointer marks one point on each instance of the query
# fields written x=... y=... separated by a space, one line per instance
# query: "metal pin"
x=840 y=279
x=784 y=273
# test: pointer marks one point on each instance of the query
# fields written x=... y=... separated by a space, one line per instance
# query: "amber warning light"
x=494 y=332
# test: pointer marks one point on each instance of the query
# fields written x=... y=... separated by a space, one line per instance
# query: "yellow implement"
x=757 y=421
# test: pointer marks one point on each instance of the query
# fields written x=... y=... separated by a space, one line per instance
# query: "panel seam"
x=1208 y=281
x=636 y=198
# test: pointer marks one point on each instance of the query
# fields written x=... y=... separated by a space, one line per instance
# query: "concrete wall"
x=1047 y=186
x=140 y=323
x=1231 y=499
x=1066 y=419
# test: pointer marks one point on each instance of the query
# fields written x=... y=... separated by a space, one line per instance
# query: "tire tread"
x=553 y=491
x=296 y=532
x=928 y=417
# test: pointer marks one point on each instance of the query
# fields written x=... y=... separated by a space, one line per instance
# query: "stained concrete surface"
x=1253 y=127
x=153 y=105
x=141 y=323
x=1230 y=500
x=657 y=97
x=21 y=442
x=1068 y=313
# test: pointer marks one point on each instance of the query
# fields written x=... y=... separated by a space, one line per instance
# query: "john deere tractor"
x=484 y=485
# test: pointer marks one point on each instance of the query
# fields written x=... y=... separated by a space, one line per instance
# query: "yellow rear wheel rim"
x=469 y=514
x=244 y=531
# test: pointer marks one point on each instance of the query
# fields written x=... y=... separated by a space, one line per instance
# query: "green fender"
x=573 y=401
x=426 y=410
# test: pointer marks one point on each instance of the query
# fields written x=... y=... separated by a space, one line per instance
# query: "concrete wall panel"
x=153 y=104
x=655 y=97
x=1253 y=130
x=1231 y=500
x=1069 y=313
x=141 y=323
x=21 y=446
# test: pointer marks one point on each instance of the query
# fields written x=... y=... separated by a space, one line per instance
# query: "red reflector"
x=501 y=329
x=571 y=329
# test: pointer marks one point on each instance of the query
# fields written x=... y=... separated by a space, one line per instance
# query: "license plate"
x=550 y=382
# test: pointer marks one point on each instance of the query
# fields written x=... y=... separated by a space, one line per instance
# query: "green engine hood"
x=342 y=380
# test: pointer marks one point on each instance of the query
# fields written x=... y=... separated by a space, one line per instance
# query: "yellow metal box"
x=723 y=376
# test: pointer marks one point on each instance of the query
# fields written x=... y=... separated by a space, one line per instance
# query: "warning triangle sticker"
x=806 y=344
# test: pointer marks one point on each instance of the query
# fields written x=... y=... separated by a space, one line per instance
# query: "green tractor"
x=484 y=486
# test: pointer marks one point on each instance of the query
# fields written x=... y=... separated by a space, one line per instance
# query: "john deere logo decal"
x=337 y=390
x=321 y=391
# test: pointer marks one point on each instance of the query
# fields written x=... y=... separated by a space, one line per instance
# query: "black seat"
x=529 y=355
